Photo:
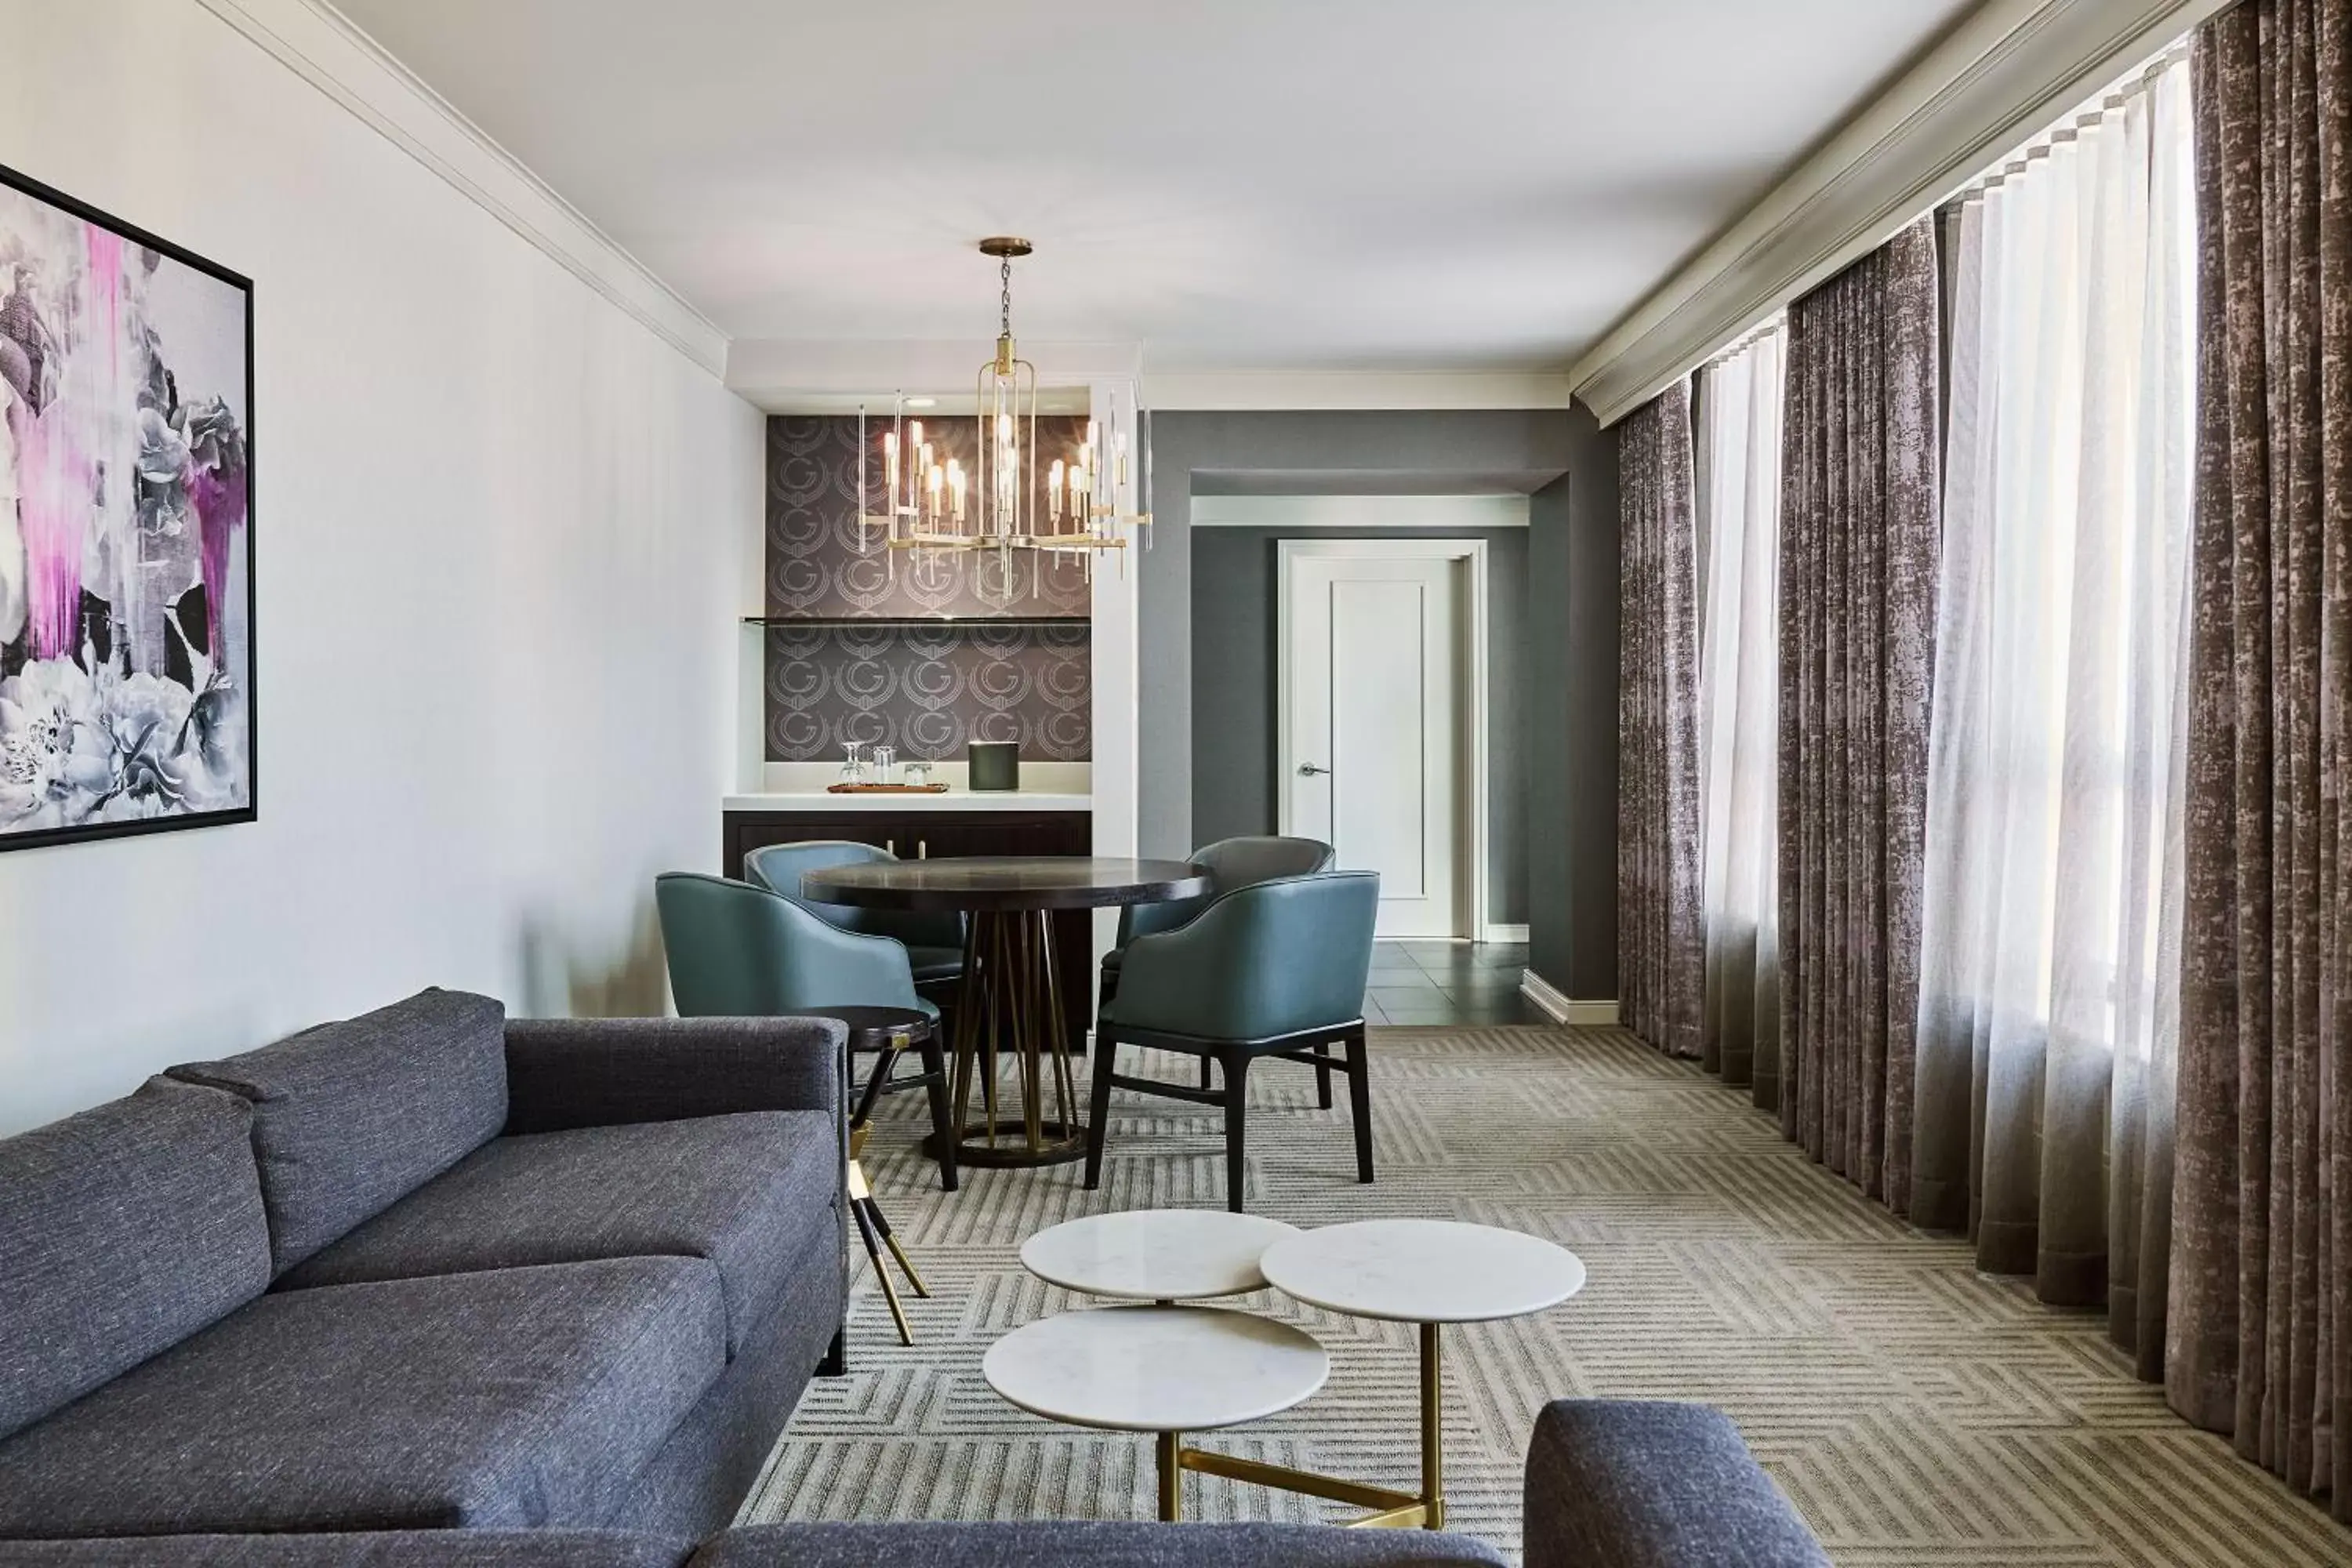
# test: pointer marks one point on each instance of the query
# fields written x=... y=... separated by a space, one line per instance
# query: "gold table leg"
x=1393 y=1508
x=1433 y=1430
x=1170 y=1451
x=1012 y=1006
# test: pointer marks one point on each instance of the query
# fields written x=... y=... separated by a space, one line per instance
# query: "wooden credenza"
x=930 y=834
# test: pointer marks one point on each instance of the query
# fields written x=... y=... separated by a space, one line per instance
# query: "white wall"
x=502 y=533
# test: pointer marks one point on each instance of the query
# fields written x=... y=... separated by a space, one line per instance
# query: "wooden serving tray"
x=886 y=789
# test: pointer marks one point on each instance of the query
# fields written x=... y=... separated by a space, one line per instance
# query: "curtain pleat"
x=2260 y=1290
x=1739 y=413
x=1661 y=953
x=2054 y=873
x=1858 y=553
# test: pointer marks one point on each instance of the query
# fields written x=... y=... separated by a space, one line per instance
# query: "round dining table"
x=1008 y=1010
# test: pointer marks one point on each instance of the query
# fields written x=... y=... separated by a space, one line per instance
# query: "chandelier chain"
x=1004 y=297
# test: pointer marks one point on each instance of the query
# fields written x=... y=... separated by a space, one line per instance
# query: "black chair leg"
x=943 y=1132
x=1359 y=1102
x=1322 y=1081
x=1236 y=1066
x=1099 y=1108
x=836 y=1357
x=1208 y=1071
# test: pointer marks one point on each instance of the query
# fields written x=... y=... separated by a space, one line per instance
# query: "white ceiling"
x=1239 y=185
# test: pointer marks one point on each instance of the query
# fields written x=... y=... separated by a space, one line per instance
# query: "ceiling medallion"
x=931 y=502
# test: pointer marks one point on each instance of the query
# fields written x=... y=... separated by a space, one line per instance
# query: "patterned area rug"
x=1918 y=1413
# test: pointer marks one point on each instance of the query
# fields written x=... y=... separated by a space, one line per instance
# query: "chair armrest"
x=1641 y=1484
x=1149 y=920
x=596 y=1072
x=1271 y=959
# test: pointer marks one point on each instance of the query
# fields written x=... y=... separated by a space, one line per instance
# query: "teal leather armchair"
x=1273 y=969
x=1231 y=864
x=739 y=951
x=934 y=942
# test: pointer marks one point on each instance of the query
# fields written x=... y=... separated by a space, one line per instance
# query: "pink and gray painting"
x=125 y=643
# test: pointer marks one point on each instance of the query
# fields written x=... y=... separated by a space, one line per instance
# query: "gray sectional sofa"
x=429 y=1289
x=421 y=1269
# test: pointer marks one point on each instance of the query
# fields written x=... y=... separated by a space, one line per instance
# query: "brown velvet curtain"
x=2261 y=1331
x=1859 y=543
x=1661 y=934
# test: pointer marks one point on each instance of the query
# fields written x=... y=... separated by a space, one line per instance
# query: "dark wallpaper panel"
x=930 y=692
x=927 y=691
x=814 y=566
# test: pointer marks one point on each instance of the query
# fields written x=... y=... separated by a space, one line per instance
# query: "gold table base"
x=1010 y=1007
x=1393 y=1508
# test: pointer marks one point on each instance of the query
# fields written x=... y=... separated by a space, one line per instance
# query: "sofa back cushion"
x=123 y=1230
x=349 y=1117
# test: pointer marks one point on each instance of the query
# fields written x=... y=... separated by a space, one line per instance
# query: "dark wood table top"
x=981 y=883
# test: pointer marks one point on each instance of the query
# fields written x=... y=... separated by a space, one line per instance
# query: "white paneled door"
x=1377 y=718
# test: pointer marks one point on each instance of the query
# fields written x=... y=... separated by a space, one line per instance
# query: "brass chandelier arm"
x=929 y=502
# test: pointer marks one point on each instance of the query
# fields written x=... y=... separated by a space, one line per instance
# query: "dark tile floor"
x=1448 y=982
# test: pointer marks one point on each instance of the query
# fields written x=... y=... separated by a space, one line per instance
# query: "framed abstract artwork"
x=126 y=528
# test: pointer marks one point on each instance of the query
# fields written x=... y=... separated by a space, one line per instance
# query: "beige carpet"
x=1917 y=1412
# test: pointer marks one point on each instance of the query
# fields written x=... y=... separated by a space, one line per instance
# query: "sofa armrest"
x=596 y=1072
x=1626 y=1484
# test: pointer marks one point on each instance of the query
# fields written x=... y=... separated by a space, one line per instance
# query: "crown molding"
x=324 y=47
x=827 y=375
x=2006 y=72
x=1361 y=513
x=1258 y=391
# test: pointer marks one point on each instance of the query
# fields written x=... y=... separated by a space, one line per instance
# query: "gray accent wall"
x=1236 y=625
x=1568 y=702
x=1572 y=719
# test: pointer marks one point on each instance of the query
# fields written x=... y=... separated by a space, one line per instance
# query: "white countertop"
x=951 y=799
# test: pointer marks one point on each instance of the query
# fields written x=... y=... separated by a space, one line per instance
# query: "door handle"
x=1308 y=769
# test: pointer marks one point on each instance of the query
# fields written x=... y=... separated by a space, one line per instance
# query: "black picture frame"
x=46 y=837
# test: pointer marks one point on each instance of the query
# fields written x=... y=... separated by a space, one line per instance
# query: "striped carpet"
x=1917 y=1413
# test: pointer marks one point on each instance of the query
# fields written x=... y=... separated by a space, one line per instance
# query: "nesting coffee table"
x=1169 y=1369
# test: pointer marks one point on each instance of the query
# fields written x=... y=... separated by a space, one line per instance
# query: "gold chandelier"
x=931 y=502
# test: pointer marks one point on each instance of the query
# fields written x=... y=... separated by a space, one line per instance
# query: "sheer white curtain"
x=1739 y=406
x=2048 y=977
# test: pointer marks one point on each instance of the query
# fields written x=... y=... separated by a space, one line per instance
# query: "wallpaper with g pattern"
x=925 y=691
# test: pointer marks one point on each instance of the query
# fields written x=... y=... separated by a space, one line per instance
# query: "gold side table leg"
x=1433 y=1429
x=1172 y=1476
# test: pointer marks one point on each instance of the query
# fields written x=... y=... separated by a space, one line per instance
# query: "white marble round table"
x=1164 y=1370
x=1423 y=1270
x=1156 y=1254
x=1431 y=1272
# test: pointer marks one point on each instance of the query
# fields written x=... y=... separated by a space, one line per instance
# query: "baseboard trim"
x=327 y=49
x=1563 y=1009
x=1498 y=932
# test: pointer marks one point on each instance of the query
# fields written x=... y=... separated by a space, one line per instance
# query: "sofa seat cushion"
x=519 y=1398
x=123 y=1231
x=350 y=1117
x=1094 y=1543
x=753 y=1193
x=360 y=1549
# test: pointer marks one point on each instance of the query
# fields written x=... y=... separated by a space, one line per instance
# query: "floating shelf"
x=909 y=623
